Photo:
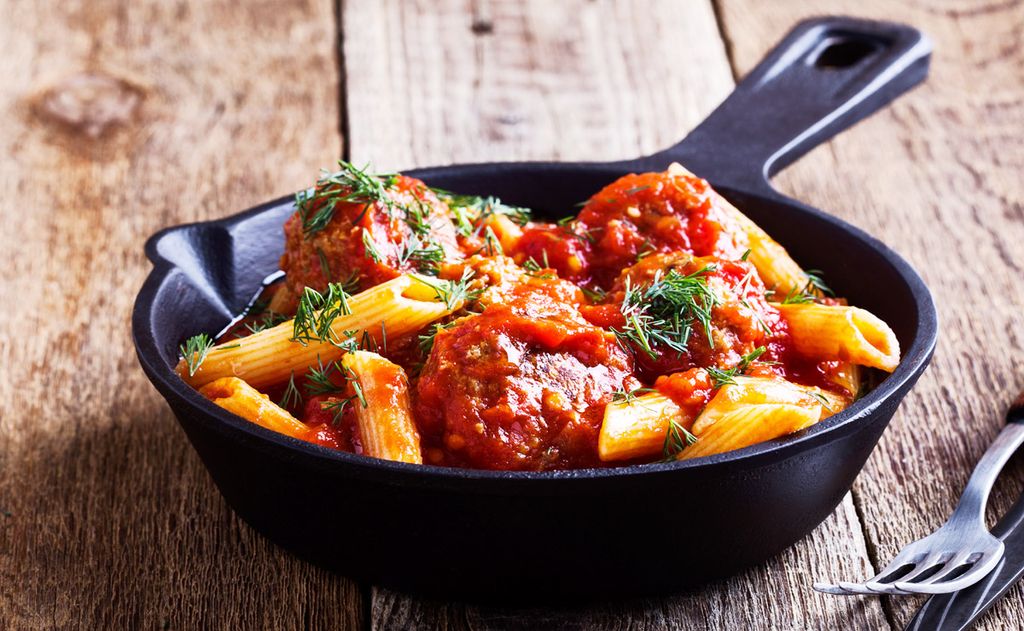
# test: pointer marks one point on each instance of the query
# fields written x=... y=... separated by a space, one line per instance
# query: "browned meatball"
x=364 y=230
x=522 y=386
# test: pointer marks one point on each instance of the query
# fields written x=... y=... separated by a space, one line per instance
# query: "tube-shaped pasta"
x=838 y=332
x=235 y=395
x=749 y=411
x=636 y=428
x=847 y=377
x=398 y=307
x=385 y=420
x=776 y=268
x=507 y=231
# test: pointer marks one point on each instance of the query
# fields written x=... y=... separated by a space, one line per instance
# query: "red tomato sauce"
x=519 y=378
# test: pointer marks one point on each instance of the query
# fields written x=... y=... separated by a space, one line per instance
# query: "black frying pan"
x=633 y=530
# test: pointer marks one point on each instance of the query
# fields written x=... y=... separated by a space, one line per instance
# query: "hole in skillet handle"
x=843 y=50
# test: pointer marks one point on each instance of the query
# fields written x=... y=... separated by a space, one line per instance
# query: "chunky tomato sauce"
x=556 y=326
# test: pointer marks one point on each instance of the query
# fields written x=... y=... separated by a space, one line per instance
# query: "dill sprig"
x=677 y=439
x=663 y=313
x=471 y=211
x=317 y=312
x=425 y=256
x=291 y=397
x=350 y=185
x=594 y=294
x=426 y=340
x=534 y=269
x=629 y=397
x=339 y=404
x=810 y=292
x=194 y=351
x=319 y=381
x=453 y=292
x=722 y=377
x=268 y=320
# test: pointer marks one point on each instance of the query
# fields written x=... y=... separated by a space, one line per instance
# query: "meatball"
x=729 y=292
x=640 y=214
x=364 y=236
x=521 y=386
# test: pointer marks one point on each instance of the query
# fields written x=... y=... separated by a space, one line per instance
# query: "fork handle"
x=975 y=496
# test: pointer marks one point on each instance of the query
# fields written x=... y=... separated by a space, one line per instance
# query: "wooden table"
x=119 y=118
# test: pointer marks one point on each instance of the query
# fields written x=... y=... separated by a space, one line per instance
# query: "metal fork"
x=962 y=551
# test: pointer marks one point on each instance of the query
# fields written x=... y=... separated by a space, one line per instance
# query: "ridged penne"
x=398 y=307
x=776 y=268
x=385 y=418
x=636 y=428
x=838 y=332
x=235 y=395
x=750 y=411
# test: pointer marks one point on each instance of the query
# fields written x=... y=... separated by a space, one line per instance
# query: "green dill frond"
x=371 y=247
x=291 y=398
x=317 y=312
x=810 y=292
x=677 y=439
x=628 y=398
x=723 y=377
x=664 y=313
x=194 y=351
x=452 y=292
x=350 y=185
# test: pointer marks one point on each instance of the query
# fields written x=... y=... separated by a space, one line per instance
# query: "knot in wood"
x=90 y=103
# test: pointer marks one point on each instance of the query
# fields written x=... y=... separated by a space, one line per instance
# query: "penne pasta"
x=385 y=418
x=242 y=399
x=636 y=428
x=750 y=411
x=398 y=307
x=837 y=332
x=776 y=268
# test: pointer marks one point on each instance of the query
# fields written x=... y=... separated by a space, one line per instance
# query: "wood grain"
x=120 y=118
x=445 y=82
x=949 y=198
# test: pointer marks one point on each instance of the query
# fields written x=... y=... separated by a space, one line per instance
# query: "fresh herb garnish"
x=317 y=312
x=426 y=341
x=594 y=294
x=291 y=397
x=350 y=185
x=370 y=246
x=665 y=312
x=319 y=381
x=452 y=292
x=268 y=320
x=194 y=351
x=472 y=211
x=677 y=439
x=629 y=397
x=492 y=246
x=810 y=292
x=723 y=377
x=338 y=405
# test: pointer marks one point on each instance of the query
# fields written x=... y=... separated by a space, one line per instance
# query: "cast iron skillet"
x=625 y=531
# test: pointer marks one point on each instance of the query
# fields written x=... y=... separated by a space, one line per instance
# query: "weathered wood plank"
x=118 y=119
x=949 y=198
x=442 y=82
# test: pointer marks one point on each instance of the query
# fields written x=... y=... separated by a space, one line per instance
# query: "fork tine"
x=831 y=588
x=981 y=568
x=846 y=588
x=928 y=562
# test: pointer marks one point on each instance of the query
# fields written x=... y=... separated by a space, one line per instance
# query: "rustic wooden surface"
x=121 y=118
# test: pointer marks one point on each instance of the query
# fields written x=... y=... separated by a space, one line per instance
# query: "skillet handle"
x=827 y=74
